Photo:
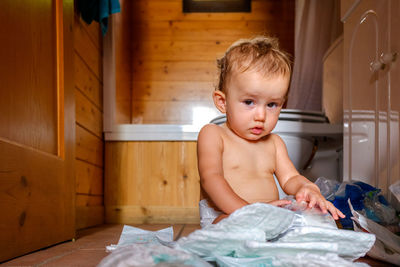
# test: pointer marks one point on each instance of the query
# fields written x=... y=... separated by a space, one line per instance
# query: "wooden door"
x=36 y=125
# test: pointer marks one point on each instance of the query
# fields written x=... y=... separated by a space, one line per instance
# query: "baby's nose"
x=261 y=114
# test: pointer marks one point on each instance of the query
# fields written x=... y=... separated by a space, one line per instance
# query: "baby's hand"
x=310 y=194
x=280 y=202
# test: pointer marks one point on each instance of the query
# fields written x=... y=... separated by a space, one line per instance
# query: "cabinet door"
x=365 y=94
x=36 y=125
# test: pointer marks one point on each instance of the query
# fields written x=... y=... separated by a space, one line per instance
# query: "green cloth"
x=98 y=10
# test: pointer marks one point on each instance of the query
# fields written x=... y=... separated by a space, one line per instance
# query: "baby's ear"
x=219 y=100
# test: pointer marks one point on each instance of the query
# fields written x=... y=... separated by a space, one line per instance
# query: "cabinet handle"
x=387 y=58
x=376 y=65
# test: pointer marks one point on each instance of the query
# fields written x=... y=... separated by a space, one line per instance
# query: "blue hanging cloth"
x=98 y=10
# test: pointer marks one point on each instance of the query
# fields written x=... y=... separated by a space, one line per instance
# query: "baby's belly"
x=255 y=189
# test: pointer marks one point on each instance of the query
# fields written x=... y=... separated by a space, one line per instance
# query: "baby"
x=237 y=160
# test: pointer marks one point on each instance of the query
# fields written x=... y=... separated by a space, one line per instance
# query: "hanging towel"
x=98 y=10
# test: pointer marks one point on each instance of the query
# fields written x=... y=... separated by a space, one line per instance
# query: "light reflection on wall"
x=203 y=115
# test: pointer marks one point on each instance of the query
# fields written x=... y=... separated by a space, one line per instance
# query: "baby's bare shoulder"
x=210 y=129
x=276 y=140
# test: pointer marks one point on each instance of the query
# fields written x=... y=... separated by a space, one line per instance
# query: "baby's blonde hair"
x=261 y=54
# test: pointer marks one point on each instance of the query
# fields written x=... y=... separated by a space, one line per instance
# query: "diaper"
x=207 y=214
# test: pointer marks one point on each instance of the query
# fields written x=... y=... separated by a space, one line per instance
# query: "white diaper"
x=207 y=214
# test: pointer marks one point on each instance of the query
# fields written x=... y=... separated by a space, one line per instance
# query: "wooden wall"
x=166 y=59
x=88 y=81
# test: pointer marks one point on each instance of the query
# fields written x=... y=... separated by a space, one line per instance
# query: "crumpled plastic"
x=268 y=234
x=364 y=197
x=134 y=235
x=387 y=244
x=255 y=235
x=138 y=247
x=151 y=255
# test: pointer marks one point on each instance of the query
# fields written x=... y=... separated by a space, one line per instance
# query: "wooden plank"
x=123 y=111
x=179 y=51
x=88 y=115
x=89 y=147
x=92 y=29
x=151 y=214
x=88 y=178
x=88 y=200
x=173 y=112
x=89 y=216
x=172 y=91
x=86 y=49
x=209 y=30
x=174 y=71
x=151 y=174
x=172 y=10
x=87 y=82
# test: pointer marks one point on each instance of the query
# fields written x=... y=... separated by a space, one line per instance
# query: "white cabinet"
x=371 y=96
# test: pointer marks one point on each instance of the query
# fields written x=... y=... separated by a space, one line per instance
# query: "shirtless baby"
x=237 y=160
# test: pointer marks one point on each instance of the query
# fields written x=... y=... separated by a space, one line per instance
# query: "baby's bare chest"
x=257 y=159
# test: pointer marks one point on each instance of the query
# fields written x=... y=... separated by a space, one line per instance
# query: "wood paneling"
x=87 y=82
x=156 y=43
x=89 y=124
x=172 y=10
x=209 y=30
x=88 y=115
x=175 y=71
x=154 y=182
x=87 y=49
x=89 y=178
x=89 y=216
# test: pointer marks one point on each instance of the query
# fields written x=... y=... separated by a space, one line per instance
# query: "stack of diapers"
x=291 y=236
x=261 y=235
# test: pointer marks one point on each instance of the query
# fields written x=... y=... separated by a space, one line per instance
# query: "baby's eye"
x=248 y=102
x=272 y=105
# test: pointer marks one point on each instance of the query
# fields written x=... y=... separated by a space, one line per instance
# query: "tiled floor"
x=89 y=248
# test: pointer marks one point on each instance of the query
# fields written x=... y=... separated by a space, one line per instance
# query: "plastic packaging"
x=151 y=255
x=364 y=198
x=207 y=214
x=262 y=234
x=327 y=187
x=310 y=217
x=377 y=209
x=387 y=245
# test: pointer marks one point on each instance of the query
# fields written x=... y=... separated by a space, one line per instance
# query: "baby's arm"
x=209 y=155
x=295 y=184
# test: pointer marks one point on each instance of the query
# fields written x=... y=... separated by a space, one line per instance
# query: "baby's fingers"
x=335 y=212
x=312 y=202
x=280 y=202
x=322 y=203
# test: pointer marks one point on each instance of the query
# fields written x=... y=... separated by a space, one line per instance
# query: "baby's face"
x=253 y=103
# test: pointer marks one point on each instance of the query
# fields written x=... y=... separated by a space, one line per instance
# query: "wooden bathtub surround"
x=151 y=182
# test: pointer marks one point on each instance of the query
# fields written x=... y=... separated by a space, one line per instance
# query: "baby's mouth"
x=257 y=130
